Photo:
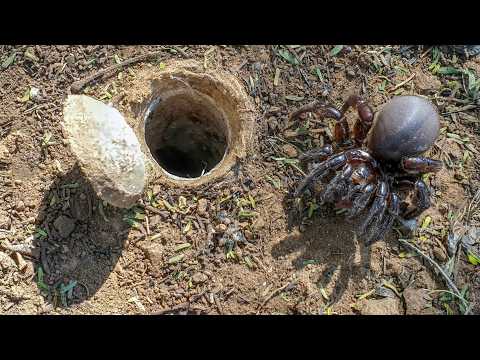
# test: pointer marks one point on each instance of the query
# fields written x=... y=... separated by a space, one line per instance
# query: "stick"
x=79 y=84
x=439 y=268
x=180 y=306
x=402 y=83
x=272 y=295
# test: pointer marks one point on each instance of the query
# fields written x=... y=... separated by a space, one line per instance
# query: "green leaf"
x=26 y=96
x=473 y=259
x=336 y=50
x=9 y=60
x=426 y=222
x=40 y=282
x=287 y=55
x=176 y=259
x=182 y=247
x=246 y=214
x=319 y=74
x=41 y=233
x=448 y=70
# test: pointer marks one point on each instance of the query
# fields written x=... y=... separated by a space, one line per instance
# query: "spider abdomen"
x=406 y=126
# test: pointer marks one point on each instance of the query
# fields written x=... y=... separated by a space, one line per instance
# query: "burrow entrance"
x=195 y=123
x=186 y=133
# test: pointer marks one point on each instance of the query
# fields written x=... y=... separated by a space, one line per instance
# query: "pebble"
x=258 y=224
x=387 y=306
x=290 y=150
x=5 y=220
x=6 y=262
x=70 y=59
x=248 y=235
x=118 y=180
x=221 y=228
x=416 y=302
x=289 y=134
x=20 y=206
x=202 y=207
x=199 y=278
x=439 y=254
x=64 y=225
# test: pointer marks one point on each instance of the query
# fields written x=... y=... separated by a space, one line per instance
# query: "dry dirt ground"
x=63 y=251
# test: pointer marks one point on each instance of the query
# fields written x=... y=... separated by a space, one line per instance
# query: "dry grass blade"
x=449 y=281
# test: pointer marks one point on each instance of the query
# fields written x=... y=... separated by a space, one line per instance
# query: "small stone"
x=20 y=206
x=289 y=134
x=259 y=224
x=70 y=59
x=273 y=109
x=290 y=150
x=35 y=94
x=107 y=149
x=416 y=302
x=387 y=306
x=18 y=182
x=248 y=234
x=4 y=153
x=394 y=268
x=221 y=228
x=153 y=252
x=199 y=278
x=202 y=207
x=439 y=254
x=155 y=220
x=6 y=262
x=5 y=220
x=64 y=225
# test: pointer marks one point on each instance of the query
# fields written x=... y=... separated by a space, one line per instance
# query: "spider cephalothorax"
x=368 y=173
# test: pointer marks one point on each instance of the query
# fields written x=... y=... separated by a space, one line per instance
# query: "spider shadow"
x=77 y=244
x=330 y=243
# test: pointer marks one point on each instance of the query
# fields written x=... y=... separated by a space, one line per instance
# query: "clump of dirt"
x=234 y=243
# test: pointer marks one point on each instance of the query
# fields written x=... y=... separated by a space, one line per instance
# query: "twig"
x=78 y=85
x=402 y=83
x=425 y=53
x=439 y=268
x=182 y=305
x=273 y=294
x=19 y=248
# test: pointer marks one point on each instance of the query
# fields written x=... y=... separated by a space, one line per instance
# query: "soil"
x=237 y=244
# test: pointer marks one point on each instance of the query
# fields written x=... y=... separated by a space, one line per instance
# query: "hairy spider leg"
x=385 y=226
x=420 y=165
x=317 y=154
x=365 y=117
x=421 y=201
x=378 y=206
x=333 y=163
x=361 y=201
x=337 y=186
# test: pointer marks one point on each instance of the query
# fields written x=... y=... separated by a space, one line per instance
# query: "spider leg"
x=421 y=200
x=365 y=113
x=420 y=165
x=318 y=107
x=332 y=163
x=317 y=154
x=361 y=201
x=392 y=213
x=337 y=186
x=324 y=110
x=378 y=207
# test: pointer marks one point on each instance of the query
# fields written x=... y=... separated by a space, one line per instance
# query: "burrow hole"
x=186 y=133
